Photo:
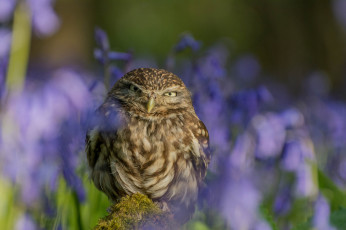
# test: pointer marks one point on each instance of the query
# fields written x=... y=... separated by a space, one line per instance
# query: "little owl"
x=148 y=139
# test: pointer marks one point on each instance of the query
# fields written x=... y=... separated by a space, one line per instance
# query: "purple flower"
x=5 y=42
x=6 y=9
x=336 y=123
x=25 y=222
x=321 y=216
x=120 y=56
x=263 y=95
x=292 y=118
x=298 y=157
x=111 y=56
x=105 y=56
x=240 y=155
x=212 y=65
x=247 y=68
x=187 y=41
x=296 y=153
x=271 y=135
x=45 y=21
x=292 y=156
x=245 y=104
x=101 y=39
x=283 y=201
x=43 y=135
x=239 y=205
x=328 y=122
x=305 y=181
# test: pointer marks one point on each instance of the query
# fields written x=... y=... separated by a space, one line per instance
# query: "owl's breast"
x=152 y=157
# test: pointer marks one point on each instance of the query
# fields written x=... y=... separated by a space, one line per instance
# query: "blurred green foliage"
x=291 y=38
x=338 y=218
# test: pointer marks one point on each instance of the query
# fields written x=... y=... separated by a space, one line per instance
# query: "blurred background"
x=267 y=78
x=290 y=39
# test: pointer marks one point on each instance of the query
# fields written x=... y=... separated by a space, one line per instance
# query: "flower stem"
x=78 y=211
x=107 y=75
x=20 y=48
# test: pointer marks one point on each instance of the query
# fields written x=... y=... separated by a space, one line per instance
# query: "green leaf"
x=331 y=191
x=268 y=215
x=303 y=226
x=20 y=49
x=198 y=225
x=338 y=219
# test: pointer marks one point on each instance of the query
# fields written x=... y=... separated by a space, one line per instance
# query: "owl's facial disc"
x=149 y=102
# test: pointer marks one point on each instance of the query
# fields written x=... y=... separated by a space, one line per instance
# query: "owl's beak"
x=150 y=104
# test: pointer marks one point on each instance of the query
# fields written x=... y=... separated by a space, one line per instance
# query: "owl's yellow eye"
x=171 y=94
x=134 y=88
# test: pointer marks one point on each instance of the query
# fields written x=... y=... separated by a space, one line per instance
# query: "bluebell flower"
x=6 y=9
x=342 y=169
x=263 y=95
x=240 y=157
x=187 y=41
x=322 y=213
x=111 y=56
x=5 y=44
x=101 y=39
x=292 y=118
x=25 y=222
x=246 y=103
x=296 y=152
x=262 y=225
x=327 y=123
x=239 y=205
x=105 y=56
x=306 y=182
x=271 y=135
x=247 y=68
x=44 y=20
x=119 y=56
x=43 y=135
x=336 y=123
x=213 y=64
x=283 y=201
x=99 y=56
x=208 y=99
x=298 y=157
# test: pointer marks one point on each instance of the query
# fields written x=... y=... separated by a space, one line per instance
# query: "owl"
x=148 y=139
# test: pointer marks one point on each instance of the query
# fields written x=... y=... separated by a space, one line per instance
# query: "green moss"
x=136 y=212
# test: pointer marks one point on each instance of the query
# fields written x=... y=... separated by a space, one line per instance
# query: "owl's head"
x=151 y=93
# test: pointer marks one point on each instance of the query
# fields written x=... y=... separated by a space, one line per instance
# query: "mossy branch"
x=136 y=212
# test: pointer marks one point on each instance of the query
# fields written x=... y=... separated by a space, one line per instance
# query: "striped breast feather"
x=200 y=150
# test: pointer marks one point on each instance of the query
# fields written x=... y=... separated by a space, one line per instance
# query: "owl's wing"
x=201 y=153
x=99 y=147
x=103 y=126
